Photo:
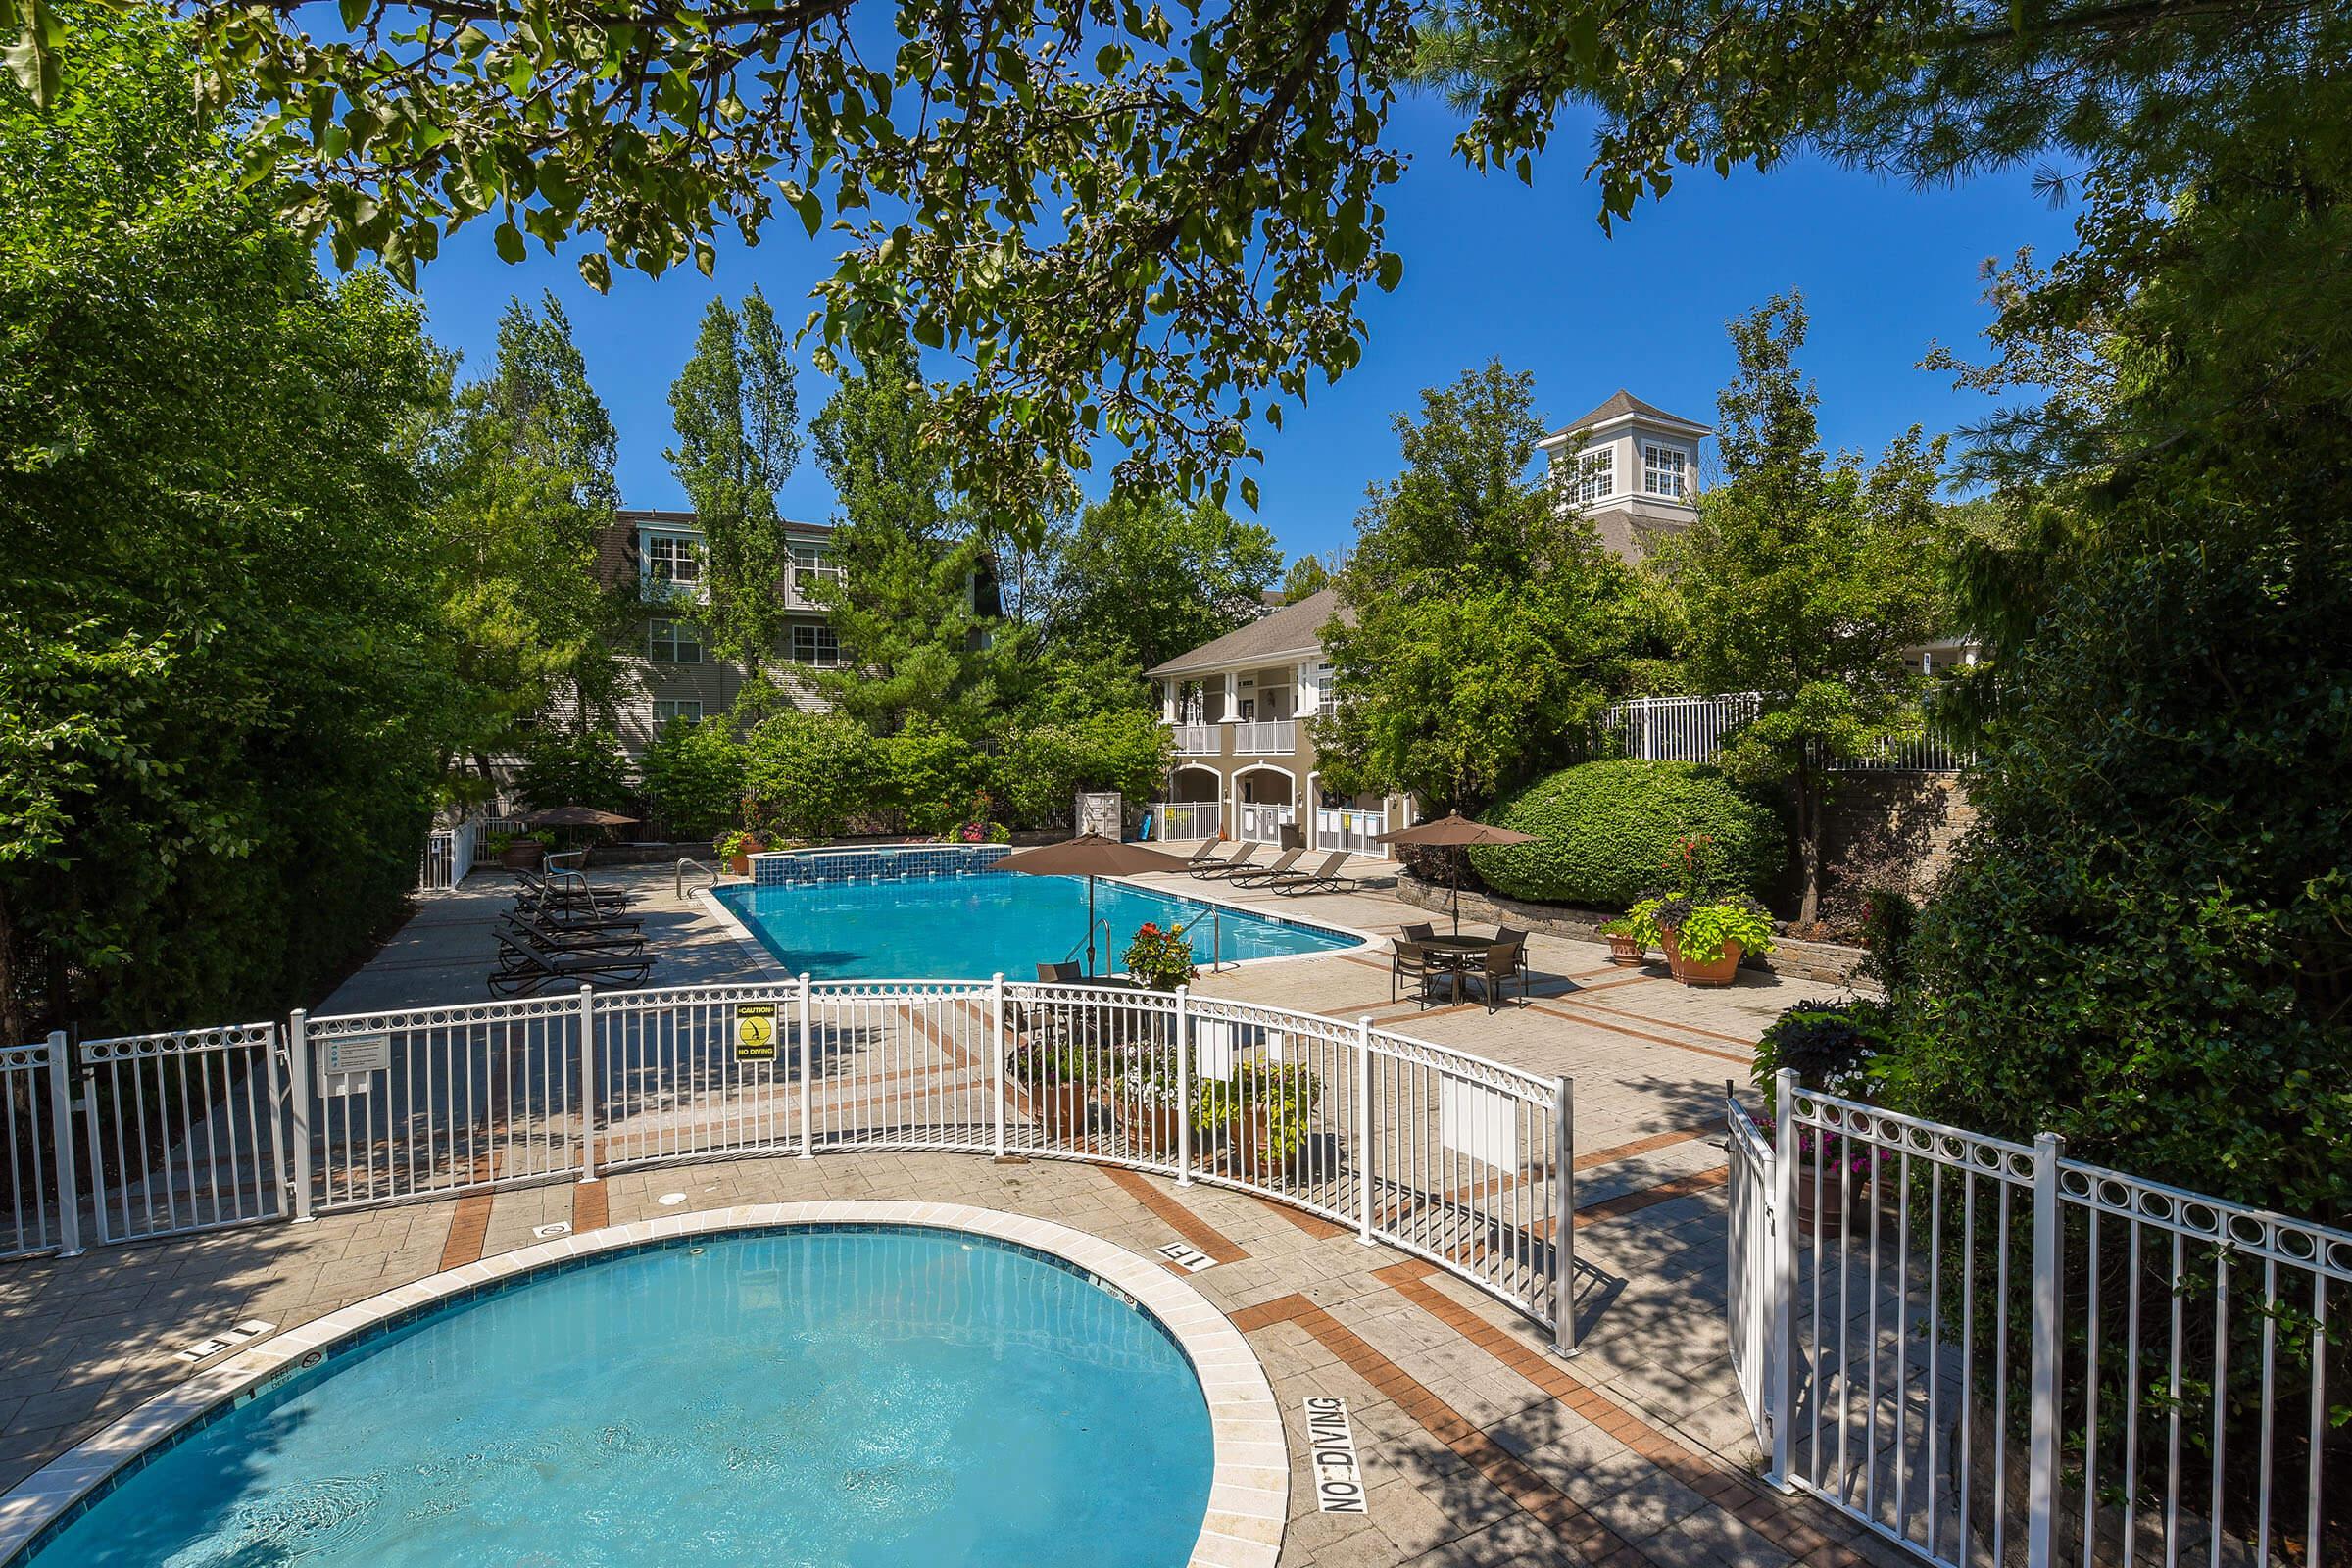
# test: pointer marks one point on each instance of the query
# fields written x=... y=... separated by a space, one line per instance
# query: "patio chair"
x=1240 y=864
x=1420 y=933
x=1212 y=865
x=1203 y=852
x=1260 y=877
x=1503 y=960
x=526 y=965
x=1324 y=878
x=1512 y=936
x=569 y=938
x=1411 y=961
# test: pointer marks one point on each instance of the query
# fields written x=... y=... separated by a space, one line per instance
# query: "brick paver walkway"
x=1479 y=1446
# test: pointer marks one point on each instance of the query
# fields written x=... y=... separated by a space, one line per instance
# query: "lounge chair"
x=1239 y=864
x=1324 y=878
x=1503 y=962
x=1203 y=853
x=1210 y=865
x=1411 y=961
x=1280 y=868
x=526 y=965
x=570 y=938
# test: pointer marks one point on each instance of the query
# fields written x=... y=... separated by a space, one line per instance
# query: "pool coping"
x=1249 y=1480
x=767 y=966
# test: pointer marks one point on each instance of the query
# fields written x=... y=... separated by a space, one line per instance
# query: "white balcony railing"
x=1265 y=736
x=1198 y=740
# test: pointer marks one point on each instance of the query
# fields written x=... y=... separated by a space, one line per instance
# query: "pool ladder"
x=679 y=880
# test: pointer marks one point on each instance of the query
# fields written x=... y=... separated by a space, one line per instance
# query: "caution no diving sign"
x=755 y=1031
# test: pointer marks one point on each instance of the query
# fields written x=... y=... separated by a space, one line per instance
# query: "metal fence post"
x=61 y=1143
x=587 y=1082
x=1183 y=1086
x=1363 y=1129
x=1563 y=1220
x=996 y=1061
x=298 y=1090
x=1781 y=1382
x=2047 y=1345
x=807 y=1078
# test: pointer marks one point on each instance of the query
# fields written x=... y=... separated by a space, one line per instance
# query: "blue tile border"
x=874 y=863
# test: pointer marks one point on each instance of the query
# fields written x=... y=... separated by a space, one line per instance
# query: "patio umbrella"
x=1090 y=856
x=1456 y=832
x=577 y=816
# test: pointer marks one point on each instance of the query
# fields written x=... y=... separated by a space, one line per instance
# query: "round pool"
x=842 y=1395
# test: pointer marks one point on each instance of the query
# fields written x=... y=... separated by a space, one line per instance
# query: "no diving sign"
x=1331 y=1449
x=755 y=1031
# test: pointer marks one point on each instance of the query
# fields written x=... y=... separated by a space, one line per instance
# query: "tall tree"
x=1152 y=577
x=1306 y=577
x=1803 y=581
x=527 y=489
x=222 y=691
x=737 y=412
x=1484 y=625
x=918 y=641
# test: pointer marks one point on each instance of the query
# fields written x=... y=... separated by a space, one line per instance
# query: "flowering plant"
x=979 y=831
x=1829 y=1151
x=1161 y=959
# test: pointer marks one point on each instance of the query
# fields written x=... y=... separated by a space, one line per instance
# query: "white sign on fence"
x=1482 y=1123
x=348 y=1064
x=1331 y=1448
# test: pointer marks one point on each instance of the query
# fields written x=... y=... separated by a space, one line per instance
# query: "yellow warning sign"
x=755 y=1031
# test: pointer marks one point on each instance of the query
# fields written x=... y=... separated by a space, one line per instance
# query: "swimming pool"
x=851 y=1396
x=873 y=915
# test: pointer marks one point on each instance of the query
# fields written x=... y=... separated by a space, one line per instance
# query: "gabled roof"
x=658 y=518
x=1288 y=632
x=1623 y=404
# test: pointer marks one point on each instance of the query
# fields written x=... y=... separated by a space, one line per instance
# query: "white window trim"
x=658 y=586
x=653 y=640
x=1652 y=450
x=815 y=634
x=676 y=705
x=1594 y=466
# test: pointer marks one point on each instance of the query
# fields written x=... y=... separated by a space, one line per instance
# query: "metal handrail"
x=677 y=888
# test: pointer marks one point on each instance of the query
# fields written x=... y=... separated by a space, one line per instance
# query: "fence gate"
x=38 y=1151
x=1996 y=1355
x=181 y=1130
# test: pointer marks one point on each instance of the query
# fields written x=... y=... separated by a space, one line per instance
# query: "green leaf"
x=509 y=243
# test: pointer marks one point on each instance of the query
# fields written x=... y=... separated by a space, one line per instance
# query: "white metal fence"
x=1346 y=828
x=1455 y=1158
x=448 y=858
x=1263 y=824
x=1995 y=1354
x=1185 y=819
x=1692 y=729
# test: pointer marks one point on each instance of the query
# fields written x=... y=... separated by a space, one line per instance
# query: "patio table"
x=1455 y=954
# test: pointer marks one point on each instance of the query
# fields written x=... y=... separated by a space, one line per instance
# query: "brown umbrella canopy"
x=1456 y=832
x=1090 y=856
x=577 y=816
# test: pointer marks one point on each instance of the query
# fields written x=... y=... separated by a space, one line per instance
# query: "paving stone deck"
x=1479 y=1446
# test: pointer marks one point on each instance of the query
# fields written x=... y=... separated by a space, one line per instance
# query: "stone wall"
x=1894 y=827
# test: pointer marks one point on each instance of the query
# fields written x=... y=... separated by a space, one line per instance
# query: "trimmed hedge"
x=1606 y=831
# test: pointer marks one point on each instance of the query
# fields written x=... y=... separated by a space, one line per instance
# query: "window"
x=815 y=645
x=1666 y=472
x=673 y=642
x=808 y=564
x=668 y=709
x=1597 y=476
x=672 y=562
x=1324 y=705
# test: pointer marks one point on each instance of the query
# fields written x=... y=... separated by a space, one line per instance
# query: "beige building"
x=1634 y=469
x=675 y=674
x=1238 y=708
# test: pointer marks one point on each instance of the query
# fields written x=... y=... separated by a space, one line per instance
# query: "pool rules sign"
x=755 y=1031
x=1331 y=1451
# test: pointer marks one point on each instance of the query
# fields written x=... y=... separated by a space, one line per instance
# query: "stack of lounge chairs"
x=1283 y=876
x=565 y=928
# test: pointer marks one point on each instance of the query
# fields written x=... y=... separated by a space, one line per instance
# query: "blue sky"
x=1493 y=269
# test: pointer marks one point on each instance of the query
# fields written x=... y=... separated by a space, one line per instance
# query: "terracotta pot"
x=739 y=862
x=1152 y=1129
x=1834 y=1213
x=1248 y=1150
x=1061 y=1108
x=1718 y=973
x=523 y=855
x=1626 y=950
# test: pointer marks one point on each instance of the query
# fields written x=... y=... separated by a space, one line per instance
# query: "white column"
x=1167 y=700
x=1303 y=705
x=1312 y=806
x=1233 y=697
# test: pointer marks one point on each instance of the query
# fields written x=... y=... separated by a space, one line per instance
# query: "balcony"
x=1265 y=736
x=1198 y=740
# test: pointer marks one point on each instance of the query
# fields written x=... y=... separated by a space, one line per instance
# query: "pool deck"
x=1478 y=1446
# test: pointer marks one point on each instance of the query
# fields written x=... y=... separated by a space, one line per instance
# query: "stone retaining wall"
x=1825 y=961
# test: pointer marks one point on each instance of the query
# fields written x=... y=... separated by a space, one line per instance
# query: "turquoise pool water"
x=975 y=924
x=841 y=1397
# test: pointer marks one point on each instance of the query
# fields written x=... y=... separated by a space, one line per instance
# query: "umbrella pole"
x=1090 y=928
x=1459 y=856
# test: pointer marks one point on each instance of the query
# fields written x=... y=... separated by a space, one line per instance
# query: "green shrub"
x=1606 y=832
x=806 y=774
x=693 y=779
x=1829 y=1044
x=563 y=769
x=1042 y=767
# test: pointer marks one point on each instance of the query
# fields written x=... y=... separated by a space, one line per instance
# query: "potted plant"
x=522 y=852
x=736 y=849
x=1053 y=1074
x=1265 y=1110
x=1705 y=941
x=1144 y=1097
x=1831 y=1047
x=1161 y=960
x=1633 y=934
